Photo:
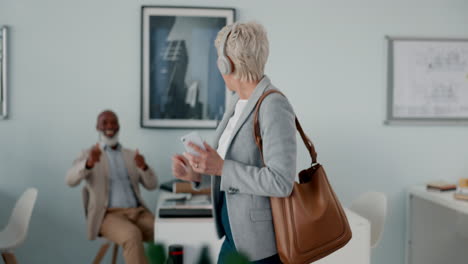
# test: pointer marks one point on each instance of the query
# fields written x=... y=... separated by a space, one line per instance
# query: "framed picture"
x=427 y=81
x=181 y=84
x=3 y=72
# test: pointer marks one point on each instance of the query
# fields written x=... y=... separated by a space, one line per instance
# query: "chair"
x=102 y=252
x=16 y=230
x=106 y=243
x=373 y=207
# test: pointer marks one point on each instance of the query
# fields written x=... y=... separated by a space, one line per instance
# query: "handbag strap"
x=258 y=138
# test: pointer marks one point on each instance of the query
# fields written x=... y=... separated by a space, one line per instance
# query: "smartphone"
x=195 y=138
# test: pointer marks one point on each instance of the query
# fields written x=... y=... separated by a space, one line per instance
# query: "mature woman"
x=241 y=183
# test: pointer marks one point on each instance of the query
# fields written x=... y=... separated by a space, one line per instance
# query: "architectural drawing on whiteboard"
x=440 y=98
x=444 y=60
x=430 y=80
x=450 y=61
x=443 y=93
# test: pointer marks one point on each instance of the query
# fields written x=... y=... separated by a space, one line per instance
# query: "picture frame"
x=3 y=72
x=427 y=81
x=181 y=86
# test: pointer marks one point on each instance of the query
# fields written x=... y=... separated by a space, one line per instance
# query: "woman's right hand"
x=181 y=169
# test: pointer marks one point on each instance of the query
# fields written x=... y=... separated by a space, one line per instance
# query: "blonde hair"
x=248 y=48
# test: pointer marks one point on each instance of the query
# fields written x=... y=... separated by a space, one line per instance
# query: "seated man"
x=115 y=209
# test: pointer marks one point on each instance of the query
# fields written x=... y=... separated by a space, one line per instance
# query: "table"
x=358 y=249
x=193 y=233
x=437 y=227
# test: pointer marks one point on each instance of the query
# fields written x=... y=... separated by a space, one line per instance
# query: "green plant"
x=204 y=256
x=236 y=258
x=156 y=253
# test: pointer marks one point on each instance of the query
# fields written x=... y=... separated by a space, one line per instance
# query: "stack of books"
x=441 y=186
x=461 y=194
x=186 y=187
x=178 y=186
x=184 y=201
x=186 y=205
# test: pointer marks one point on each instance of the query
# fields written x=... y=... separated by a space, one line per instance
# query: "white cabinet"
x=437 y=227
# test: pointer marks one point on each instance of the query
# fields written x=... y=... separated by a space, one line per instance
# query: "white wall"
x=71 y=59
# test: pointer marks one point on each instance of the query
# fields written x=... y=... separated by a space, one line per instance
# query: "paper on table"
x=195 y=201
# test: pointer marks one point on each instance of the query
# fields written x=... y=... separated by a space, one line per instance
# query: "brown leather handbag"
x=309 y=224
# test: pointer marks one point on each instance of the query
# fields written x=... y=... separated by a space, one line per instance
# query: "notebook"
x=441 y=186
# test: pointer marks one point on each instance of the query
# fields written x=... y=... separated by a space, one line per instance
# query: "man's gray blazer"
x=247 y=184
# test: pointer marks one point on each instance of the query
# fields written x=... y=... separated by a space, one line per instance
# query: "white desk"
x=357 y=251
x=437 y=227
x=192 y=233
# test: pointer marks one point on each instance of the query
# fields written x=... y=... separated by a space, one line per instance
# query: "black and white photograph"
x=182 y=87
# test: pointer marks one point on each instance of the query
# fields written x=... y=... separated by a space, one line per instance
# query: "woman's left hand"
x=207 y=162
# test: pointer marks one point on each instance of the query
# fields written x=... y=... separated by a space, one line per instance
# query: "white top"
x=227 y=133
x=445 y=199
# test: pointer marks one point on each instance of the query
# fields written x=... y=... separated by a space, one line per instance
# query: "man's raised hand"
x=94 y=156
x=140 y=161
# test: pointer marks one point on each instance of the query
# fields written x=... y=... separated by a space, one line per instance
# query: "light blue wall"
x=71 y=59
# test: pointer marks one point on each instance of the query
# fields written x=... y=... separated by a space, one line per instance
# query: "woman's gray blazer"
x=247 y=184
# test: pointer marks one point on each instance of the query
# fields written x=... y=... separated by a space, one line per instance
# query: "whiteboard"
x=428 y=80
